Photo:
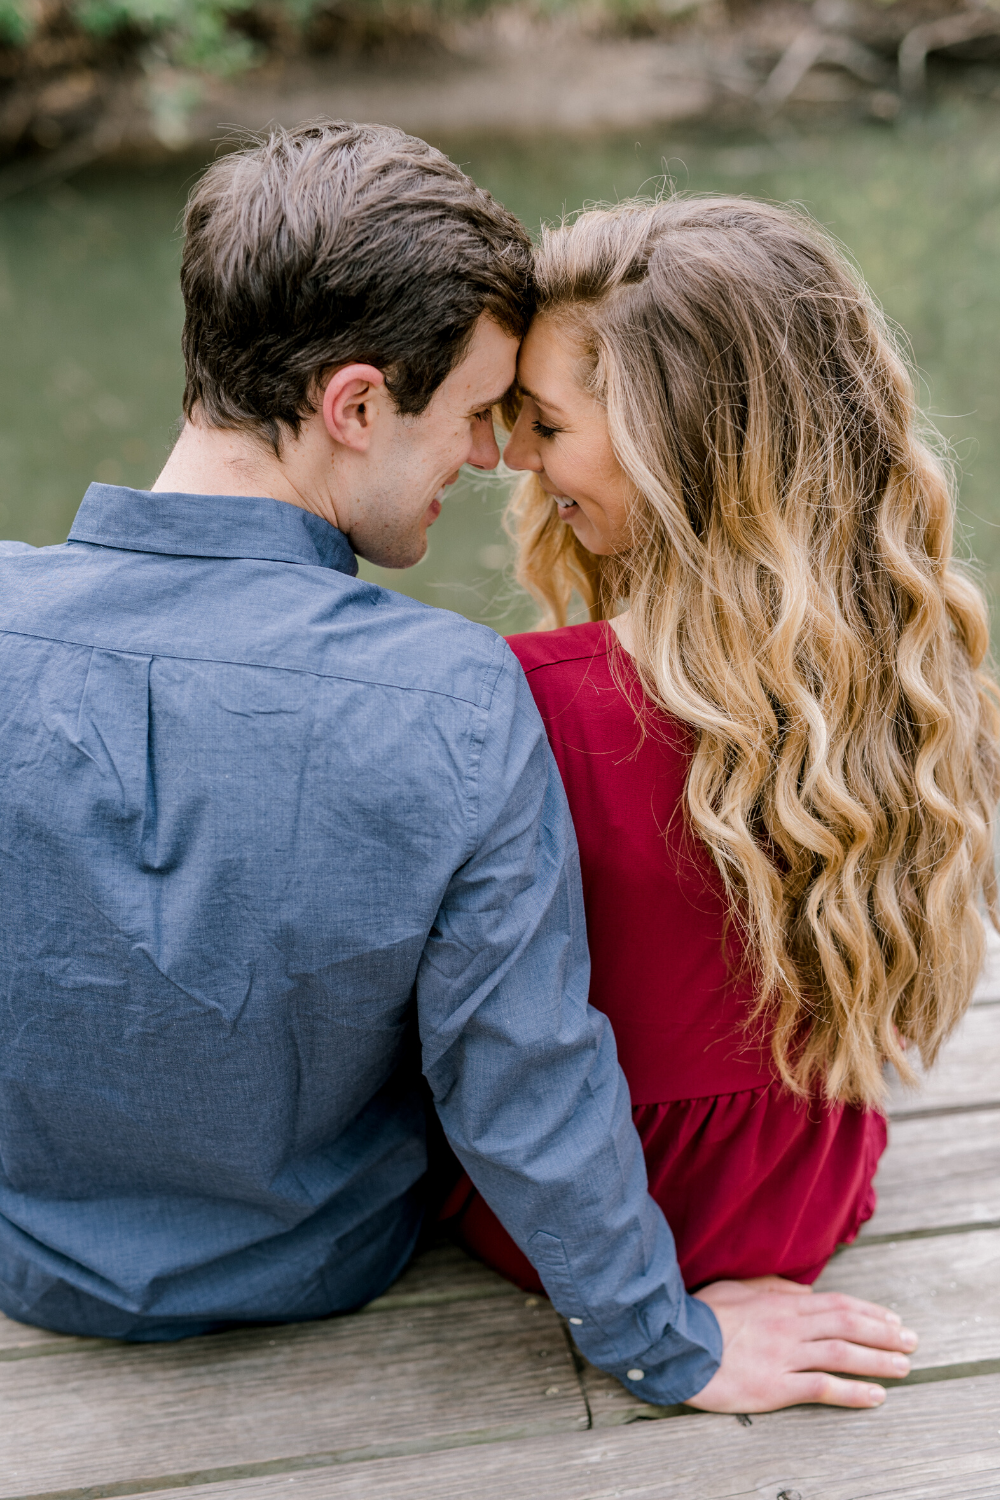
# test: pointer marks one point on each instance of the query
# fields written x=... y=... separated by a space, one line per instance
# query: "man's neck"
x=213 y=461
x=217 y=461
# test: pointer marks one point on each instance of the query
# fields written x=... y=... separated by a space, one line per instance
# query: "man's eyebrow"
x=490 y=401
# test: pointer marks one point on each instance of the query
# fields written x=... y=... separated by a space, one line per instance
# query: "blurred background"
x=883 y=120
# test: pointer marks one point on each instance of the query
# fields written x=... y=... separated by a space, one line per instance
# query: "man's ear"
x=348 y=410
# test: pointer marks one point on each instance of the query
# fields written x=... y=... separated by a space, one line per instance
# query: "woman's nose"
x=520 y=452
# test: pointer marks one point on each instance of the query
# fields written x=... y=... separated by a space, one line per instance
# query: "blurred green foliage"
x=196 y=34
x=207 y=35
x=15 y=22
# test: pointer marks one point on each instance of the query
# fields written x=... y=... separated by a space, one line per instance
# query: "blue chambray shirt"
x=273 y=841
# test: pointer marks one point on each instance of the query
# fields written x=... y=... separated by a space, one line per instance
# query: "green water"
x=90 y=313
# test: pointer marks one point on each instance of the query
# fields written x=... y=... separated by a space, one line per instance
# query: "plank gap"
x=305 y=1462
x=935 y=1111
x=579 y=1366
x=68 y=1345
x=930 y=1233
x=933 y=1374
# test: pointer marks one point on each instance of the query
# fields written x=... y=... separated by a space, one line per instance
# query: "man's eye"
x=485 y=416
x=540 y=429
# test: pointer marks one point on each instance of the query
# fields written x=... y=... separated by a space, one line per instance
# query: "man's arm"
x=525 y=1074
x=526 y=1081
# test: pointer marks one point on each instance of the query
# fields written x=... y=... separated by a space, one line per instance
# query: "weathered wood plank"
x=966 y=1076
x=926 y=1443
x=938 y=1171
x=444 y=1273
x=349 y=1386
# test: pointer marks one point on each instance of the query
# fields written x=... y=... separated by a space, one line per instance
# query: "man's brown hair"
x=334 y=243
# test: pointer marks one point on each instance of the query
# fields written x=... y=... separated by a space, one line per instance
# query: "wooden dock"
x=455 y=1385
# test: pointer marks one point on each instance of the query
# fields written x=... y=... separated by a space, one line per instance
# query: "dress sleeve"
x=525 y=1074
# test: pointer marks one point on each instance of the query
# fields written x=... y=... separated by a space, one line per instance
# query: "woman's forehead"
x=549 y=364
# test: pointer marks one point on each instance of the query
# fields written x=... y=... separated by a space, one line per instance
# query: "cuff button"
x=635 y=1374
x=577 y=1321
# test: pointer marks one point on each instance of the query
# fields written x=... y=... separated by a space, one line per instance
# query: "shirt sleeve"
x=525 y=1074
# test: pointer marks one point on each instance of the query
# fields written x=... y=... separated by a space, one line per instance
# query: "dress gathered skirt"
x=753 y=1181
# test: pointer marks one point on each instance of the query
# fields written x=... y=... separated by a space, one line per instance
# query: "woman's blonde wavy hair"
x=794 y=600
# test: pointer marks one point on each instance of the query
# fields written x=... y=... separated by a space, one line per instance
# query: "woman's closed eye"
x=540 y=429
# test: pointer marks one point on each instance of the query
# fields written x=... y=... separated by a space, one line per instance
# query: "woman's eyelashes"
x=540 y=429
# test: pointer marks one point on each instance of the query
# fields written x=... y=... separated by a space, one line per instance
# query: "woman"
x=777 y=739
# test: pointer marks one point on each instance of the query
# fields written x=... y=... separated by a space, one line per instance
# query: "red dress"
x=751 y=1180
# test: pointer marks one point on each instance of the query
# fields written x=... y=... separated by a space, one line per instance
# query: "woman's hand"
x=781 y=1341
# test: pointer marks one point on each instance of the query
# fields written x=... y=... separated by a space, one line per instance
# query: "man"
x=274 y=841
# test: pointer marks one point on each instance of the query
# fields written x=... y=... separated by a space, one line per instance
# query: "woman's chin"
x=589 y=538
x=584 y=530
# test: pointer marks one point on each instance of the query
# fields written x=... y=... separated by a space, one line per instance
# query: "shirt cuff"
x=681 y=1363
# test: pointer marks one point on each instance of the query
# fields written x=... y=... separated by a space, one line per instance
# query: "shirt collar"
x=209 y=526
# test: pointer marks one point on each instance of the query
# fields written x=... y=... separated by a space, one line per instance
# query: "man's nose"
x=485 y=450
